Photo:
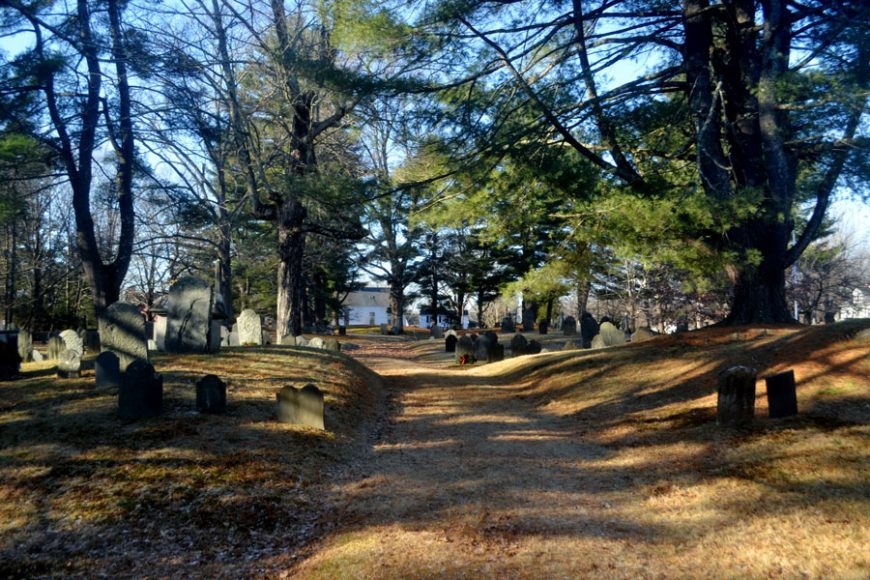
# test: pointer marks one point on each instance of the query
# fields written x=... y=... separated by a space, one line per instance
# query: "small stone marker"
x=189 y=310
x=288 y=340
x=25 y=345
x=507 y=325
x=534 y=347
x=302 y=341
x=69 y=366
x=316 y=342
x=249 y=327
x=465 y=351
x=37 y=356
x=781 y=395
x=569 y=326
x=331 y=344
x=55 y=347
x=301 y=406
x=122 y=331
x=450 y=343
x=141 y=392
x=519 y=345
x=72 y=341
x=736 y=401
x=108 y=369
x=211 y=395
x=482 y=348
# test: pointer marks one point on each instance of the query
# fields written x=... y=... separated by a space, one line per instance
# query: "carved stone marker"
x=55 y=347
x=641 y=334
x=72 y=341
x=211 y=395
x=108 y=369
x=529 y=313
x=608 y=335
x=315 y=342
x=288 y=340
x=69 y=365
x=301 y=406
x=160 y=326
x=781 y=395
x=331 y=344
x=519 y=345
x=141 y=392
x=250 y=328
x=122 y=331
x=569 y=326
x=384 y=329
x=25 y=345
x=91 y=339
x=736 y=402
x=534 y=347
x=10 y=362
x=464 y=354
x=450 y=343
x=507 y=324
x=189 y=316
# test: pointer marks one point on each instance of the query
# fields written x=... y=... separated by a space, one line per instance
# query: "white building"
x=368 y=307
x=858 y=307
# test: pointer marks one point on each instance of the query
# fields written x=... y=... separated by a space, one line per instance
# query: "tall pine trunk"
x=291 y=277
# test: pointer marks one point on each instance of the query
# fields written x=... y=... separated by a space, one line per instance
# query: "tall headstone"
x=543 y=326
x=215 y=336
x=569 y=326
x=736 y=401
x=464 y=354
x=211 y=395
x=481 y=348
x=301 y=406
x=189 y=316
x=141 y=392
x=588 y=329
x=91 y=340
x=72 y=341
x=25 y=345
x=160 y=325
x=781 y=395
x=450 y=343
x=69 y=366
x=250 y=328
x=55 y=347
x=107 y=367
x=10 y=361
x=122 y=331
x=507 y=324
x=529 y=313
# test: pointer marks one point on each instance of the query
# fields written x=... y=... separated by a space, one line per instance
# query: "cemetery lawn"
x=609 y=463
x=83 y=493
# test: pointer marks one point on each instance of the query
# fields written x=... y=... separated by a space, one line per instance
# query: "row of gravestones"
x=472 y=348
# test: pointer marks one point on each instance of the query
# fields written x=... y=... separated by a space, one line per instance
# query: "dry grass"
x=609 y=464
x=83 y=493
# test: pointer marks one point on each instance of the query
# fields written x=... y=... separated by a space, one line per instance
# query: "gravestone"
x=507 y=325
x=55 y=347
x=160 y=325
x=493 y=337
x=331 y=344
x=736 y=400
x=543 y=326
x=451 y=332
x=436 y=332
x=233 y=338
x=534 y=347
x=608 y=335
x=37 y=356
x=301 y=406
x=569 y=326
x=570 y=345
x=496 y=353
x=482 y=348
x=863 y=335
x=395 y=330
x=588 y=329
x=302 y=341
x=342 y=330
x=25 y=345
x=384 y=329
x=72 y=341
x=189 y=316
x=215 y=336
x=69 y=366
x=519 y=345
x=450 y=343
x=267 y=336
x=529 y=313
x=641 y=334
x=107 y=367
x=149 y=329
x=122 y=331
x=288 y=340
x=316 y=342
x=682 y=325
x=225 y=336
x=250 y=328
x=781 y=395
x=10 y=361
x=465 y=351
x=141 y=392
x=91 y=340
x=211 y=395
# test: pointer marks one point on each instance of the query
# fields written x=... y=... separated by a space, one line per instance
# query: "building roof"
x=368 y=297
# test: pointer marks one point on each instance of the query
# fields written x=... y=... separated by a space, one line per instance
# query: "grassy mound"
x=84 y=493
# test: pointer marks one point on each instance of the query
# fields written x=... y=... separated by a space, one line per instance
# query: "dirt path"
x=468 y=479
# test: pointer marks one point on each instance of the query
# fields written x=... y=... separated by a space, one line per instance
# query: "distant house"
x=858 y=306
x=368 y=306
x=446 y=319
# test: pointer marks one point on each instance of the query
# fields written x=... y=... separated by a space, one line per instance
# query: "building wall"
x=367 y=316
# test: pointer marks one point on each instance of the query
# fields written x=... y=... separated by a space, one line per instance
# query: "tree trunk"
x=291 y=278
x=397 y=304
x=759 y=290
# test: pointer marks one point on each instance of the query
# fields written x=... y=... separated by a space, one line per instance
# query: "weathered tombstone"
x=436 y=332
x=108 y=369
x=225 y=336
x=331 y=344
x=569 y=326
x=493 y=337
x=55 y=347
x=543 y=326
x=267 y=336
x=122 y=331
x=482 y=348
x=288 y=340
x=781 y=395
x=160 y=332
x=588 y=329
x=384 y=329
x=465 y=351
x=250 y=328
x=72 y=341
x=211 y=395
x=534 y=347
x=69 y=366
x=641 y=334
x=451 y=332
x=141 y=392
x=450 y=343
x=496 y=353
x=37 y=356
x=529 y=313
x=316 y=342
x=189 y=316
x=302 y=341
x=863 y=335
x=301 y=406
x=597 y=342
x=342 y=330
x=25 y=345
x=570 y=345
x=736 y=401
x=682 y=325
x=507 y=324
x=215 y=336
x=10 y=361
x=519 y=345
x=233 y=338
x=149 y=329
x=609 y=336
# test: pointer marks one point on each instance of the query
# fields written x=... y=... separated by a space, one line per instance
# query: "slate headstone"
x=519 y=345
x=69 y=366
x=141 y=392
x=384 y=329
x=25 y=345
x=189 y=316
x=301 y=406
x=450 y=343
x=122 y=331
x=735 y=405
x=534 y=347
x=529 y=313
x=108 y=369
x=91 y=340
x=250 y=328
x=160 y=326
x=10 y=361
x=543 y=326
x=588 y=329
x=507 y=325
x=72 y=341
x=482 y=348
x=331 y=344
x=682 y=325
x=211 y=395
x=55 y=347
x=464 y=354
x=569 y=326
x=215 y=336
x=781 y=395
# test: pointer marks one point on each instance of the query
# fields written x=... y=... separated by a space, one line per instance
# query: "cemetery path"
x=467 y=479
